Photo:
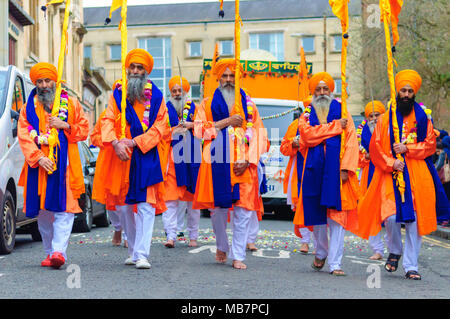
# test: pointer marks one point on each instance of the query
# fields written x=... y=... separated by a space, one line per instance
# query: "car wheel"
x=7 y=224
x=84 y=220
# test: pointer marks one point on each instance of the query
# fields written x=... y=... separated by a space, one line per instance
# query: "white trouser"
x=253 y=229
x=193 y=219
x=116 y=220
x=306 y=235
x=412 y=242
x=182 y=207
x=240 y=221
x=139 y=229
x=376 y=243
x=334 y=250
x=55 y=229
x=169 y=218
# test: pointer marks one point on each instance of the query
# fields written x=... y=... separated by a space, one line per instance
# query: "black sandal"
x=392 y=261
x=318 y=261
x=412 y=274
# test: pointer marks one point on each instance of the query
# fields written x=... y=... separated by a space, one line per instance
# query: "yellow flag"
x=340 y=10
x=303 y=90
x=394 y=11
x=116 y=4
x=54 y=2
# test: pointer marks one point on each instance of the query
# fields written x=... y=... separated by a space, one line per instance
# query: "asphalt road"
x=95 y=269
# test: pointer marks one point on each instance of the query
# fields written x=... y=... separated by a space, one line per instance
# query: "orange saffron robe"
x=113 y=173
x=312 y=136
x=379 y=201
x=79 y=130
x=248 y=182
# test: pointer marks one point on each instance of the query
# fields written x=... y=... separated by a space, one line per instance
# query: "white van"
x=15 y=86
x=275 y=162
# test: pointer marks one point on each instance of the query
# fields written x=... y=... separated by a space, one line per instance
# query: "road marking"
x=365 y=261
x=211 y=248
x=432 y=241
x=282 y=254
x=1 y=275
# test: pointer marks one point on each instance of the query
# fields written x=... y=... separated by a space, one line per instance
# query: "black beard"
x=405 y=105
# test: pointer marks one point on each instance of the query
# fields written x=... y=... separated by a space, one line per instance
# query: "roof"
x=207 y=12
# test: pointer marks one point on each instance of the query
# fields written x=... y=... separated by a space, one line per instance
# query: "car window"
x=3 y=89
x=19 y=96
x=276 y=127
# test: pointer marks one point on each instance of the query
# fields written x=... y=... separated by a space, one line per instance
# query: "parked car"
x=93 y=211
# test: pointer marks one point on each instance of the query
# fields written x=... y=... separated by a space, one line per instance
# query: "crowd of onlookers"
x=441 y=162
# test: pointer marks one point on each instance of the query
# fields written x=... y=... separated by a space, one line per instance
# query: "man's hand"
x=179 y=129
x=343 y=123
x=367 y=156
x=46 y=164
x=344 y=176
x=128 y=143
x=122 y=151
x=57 y=123
x=239 y=168
x=398 y=165
x=400 y=148
x=295 y=142
x=235 y=120
x=188 y=125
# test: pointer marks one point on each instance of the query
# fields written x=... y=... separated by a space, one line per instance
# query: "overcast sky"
x=106 y=3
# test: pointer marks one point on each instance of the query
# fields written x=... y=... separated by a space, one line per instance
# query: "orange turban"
x=321 y=76
x=176 y=80
x=224 y=64
x=43 y=70
x=410 y=77
x=140 y=56
x=377 y=106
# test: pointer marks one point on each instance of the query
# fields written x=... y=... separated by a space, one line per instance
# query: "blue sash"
x=321 y=178
x=405 y=211
x=366 y=136
x=300 y=162
x=224 y=195
x=263 y=182
x=145 y=169
x=55 y=195
x=186 y=169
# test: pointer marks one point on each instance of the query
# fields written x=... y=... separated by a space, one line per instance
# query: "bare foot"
x=117 y=238
x=170 y=244
x=304 y=248
x=125 y=243
x=376 y=256
x=192 y=243
x=237 y=264
x=221 y=256
x=251 y=247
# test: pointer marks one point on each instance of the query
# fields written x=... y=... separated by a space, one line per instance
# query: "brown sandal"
x=320 y=262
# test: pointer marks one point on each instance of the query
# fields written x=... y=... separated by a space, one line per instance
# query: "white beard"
x=228 y=96
x=372 y=125
x=321 y=104
x=178 y=104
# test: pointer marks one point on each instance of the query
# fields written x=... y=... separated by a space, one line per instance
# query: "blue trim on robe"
x=300 y=162
x=145 y=168
x=405 y=211
x=366 y=136
x=224 y=195
x=56 y=192
x=321 y=179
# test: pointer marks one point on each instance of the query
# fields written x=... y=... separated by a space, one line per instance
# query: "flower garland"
x=186 y=110
x=412 y=135
x=148 y=96
x=358 y=136
x=248 y=132
x=307 y=113
x=48 y=138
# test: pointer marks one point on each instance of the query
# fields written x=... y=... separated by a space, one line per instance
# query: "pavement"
x=443 y=232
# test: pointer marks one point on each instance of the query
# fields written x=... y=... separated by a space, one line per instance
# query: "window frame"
x=221 y=53
x=188 y=49
x=283 y=53
x=110 y=58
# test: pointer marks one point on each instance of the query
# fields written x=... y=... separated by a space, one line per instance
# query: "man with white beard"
x=132 y=172
x=322 y=200
x=183 y=162
x=372 y=112
x=234 y=138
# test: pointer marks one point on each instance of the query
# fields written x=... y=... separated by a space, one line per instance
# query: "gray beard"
x=228 y=95
x=372 y=125
x=46 y=97
x=178 y=104
x=321 y=104
x=135 y=87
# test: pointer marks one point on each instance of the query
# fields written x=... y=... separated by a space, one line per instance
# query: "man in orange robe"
x=184 y=157
x=423 y=199
x=372 y=112
x=51 y=192
x=322 y=200
x=132 y=171
x=234 y=138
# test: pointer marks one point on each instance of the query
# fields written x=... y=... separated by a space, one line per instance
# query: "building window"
x=308 y=44
x=337 y=43
x=161 y=50
x=194 y=49
x=337 y=86
x=115 y=52
x=272 y=42
x=88 y=52
x=226 y=47
x=195 y=92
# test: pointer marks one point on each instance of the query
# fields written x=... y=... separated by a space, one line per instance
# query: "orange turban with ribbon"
x=140 y=56
x=224 y=64
x=410 y=77
x=377 y=106
x=43 y=70
x=317 y=78
x=176 y=80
